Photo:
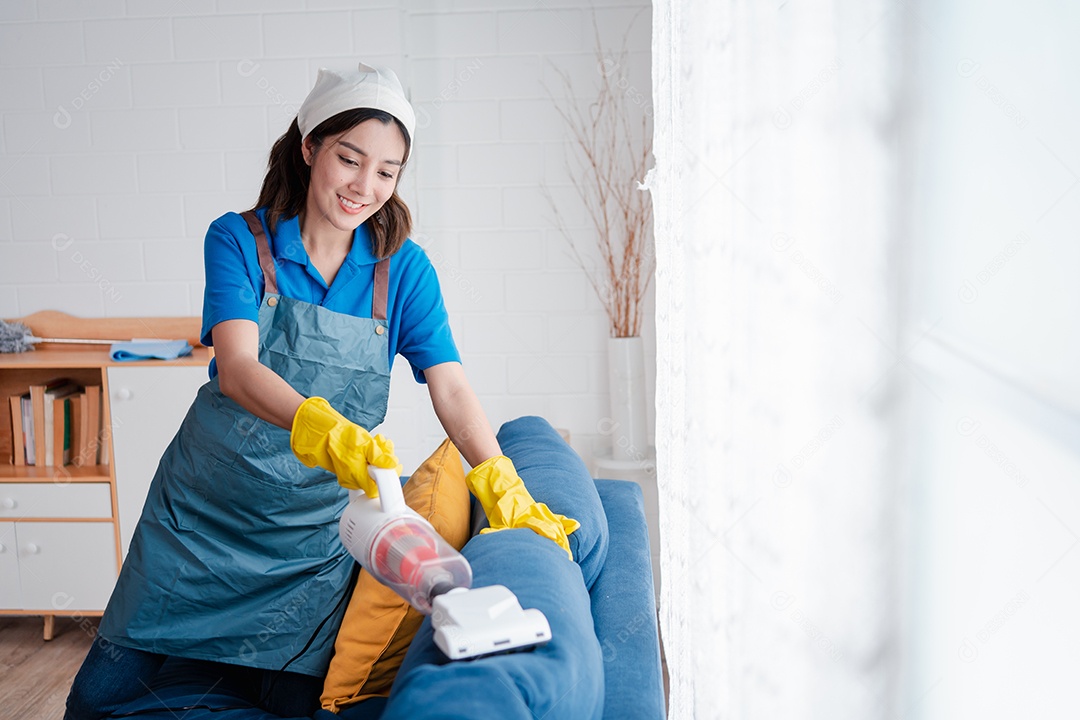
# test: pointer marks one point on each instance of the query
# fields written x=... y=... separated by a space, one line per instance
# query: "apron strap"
x=382 y=281
x=266 y=260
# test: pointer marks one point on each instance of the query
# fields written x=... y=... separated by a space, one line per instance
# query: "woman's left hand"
x=508 y=503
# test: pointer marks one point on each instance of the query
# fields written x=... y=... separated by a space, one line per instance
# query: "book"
x=96 y=453
x=61 y=431
x=28 y=429
x=54 y=421
x=18 y=443
x=42 y=397
x=78 y=429
x=37 y=424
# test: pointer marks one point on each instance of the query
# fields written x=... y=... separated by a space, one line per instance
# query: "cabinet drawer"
x=19 y=501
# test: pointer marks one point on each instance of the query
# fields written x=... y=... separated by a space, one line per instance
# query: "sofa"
x=604 y=657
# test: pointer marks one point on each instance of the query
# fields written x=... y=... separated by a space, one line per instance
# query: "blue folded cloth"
x=149 y=350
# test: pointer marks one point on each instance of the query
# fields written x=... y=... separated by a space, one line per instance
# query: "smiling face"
x=352 y=176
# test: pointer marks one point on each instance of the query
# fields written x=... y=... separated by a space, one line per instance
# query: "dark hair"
x=284 y=189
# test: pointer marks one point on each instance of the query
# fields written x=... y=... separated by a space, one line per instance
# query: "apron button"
x=379 y=329
x=272 y=302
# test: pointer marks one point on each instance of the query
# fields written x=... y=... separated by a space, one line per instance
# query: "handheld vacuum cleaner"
x=403 y=551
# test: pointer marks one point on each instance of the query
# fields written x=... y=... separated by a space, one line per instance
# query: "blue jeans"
x=115 y=681
x=110 y=676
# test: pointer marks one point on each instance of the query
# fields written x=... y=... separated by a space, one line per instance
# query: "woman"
x=236 y=557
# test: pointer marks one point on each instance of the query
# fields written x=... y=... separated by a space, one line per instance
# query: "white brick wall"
x=127 y=126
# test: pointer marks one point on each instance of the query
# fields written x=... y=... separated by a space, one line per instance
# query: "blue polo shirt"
x=419 y=328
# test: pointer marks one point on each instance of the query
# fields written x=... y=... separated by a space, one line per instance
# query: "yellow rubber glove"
x=322 y=436
x=508 y=504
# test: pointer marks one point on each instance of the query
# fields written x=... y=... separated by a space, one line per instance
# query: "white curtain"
x=777 y=192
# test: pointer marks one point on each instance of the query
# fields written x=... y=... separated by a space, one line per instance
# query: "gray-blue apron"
x=236 y=557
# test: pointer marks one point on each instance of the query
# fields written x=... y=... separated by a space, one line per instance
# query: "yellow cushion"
x=378 y=624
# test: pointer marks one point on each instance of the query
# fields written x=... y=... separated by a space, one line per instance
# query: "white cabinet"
x=59 y=566
x=148 y=405
x=66 y=565
x=10 y=592
x=56 y=565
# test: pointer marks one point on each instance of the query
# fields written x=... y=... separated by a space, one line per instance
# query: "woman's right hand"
x=322 y=436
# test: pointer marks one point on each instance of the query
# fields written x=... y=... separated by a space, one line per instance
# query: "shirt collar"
x=289 y=246
x=361 y=252
x=287 y=242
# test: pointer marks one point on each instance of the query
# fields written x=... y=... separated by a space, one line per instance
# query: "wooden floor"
x=35 y=675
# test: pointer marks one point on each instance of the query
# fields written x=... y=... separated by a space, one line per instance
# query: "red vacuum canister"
x=398 y=547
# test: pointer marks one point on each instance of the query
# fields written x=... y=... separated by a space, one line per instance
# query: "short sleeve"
x=424 y=336
x=231 y=292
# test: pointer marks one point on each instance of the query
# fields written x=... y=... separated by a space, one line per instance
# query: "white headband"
x=336 y=91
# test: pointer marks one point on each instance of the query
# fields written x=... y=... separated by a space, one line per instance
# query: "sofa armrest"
x=624 y=609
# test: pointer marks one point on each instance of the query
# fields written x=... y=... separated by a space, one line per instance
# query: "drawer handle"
x=8 y=503
x=32 y=548
x=124 y=394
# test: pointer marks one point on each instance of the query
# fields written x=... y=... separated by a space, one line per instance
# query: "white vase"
x=626 y=382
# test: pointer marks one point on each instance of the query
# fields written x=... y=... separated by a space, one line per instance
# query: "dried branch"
x=611 y=161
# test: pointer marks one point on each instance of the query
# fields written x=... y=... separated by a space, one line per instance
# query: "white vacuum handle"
x=389 y=484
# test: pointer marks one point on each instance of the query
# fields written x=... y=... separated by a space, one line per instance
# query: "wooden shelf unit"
x=69 y=516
